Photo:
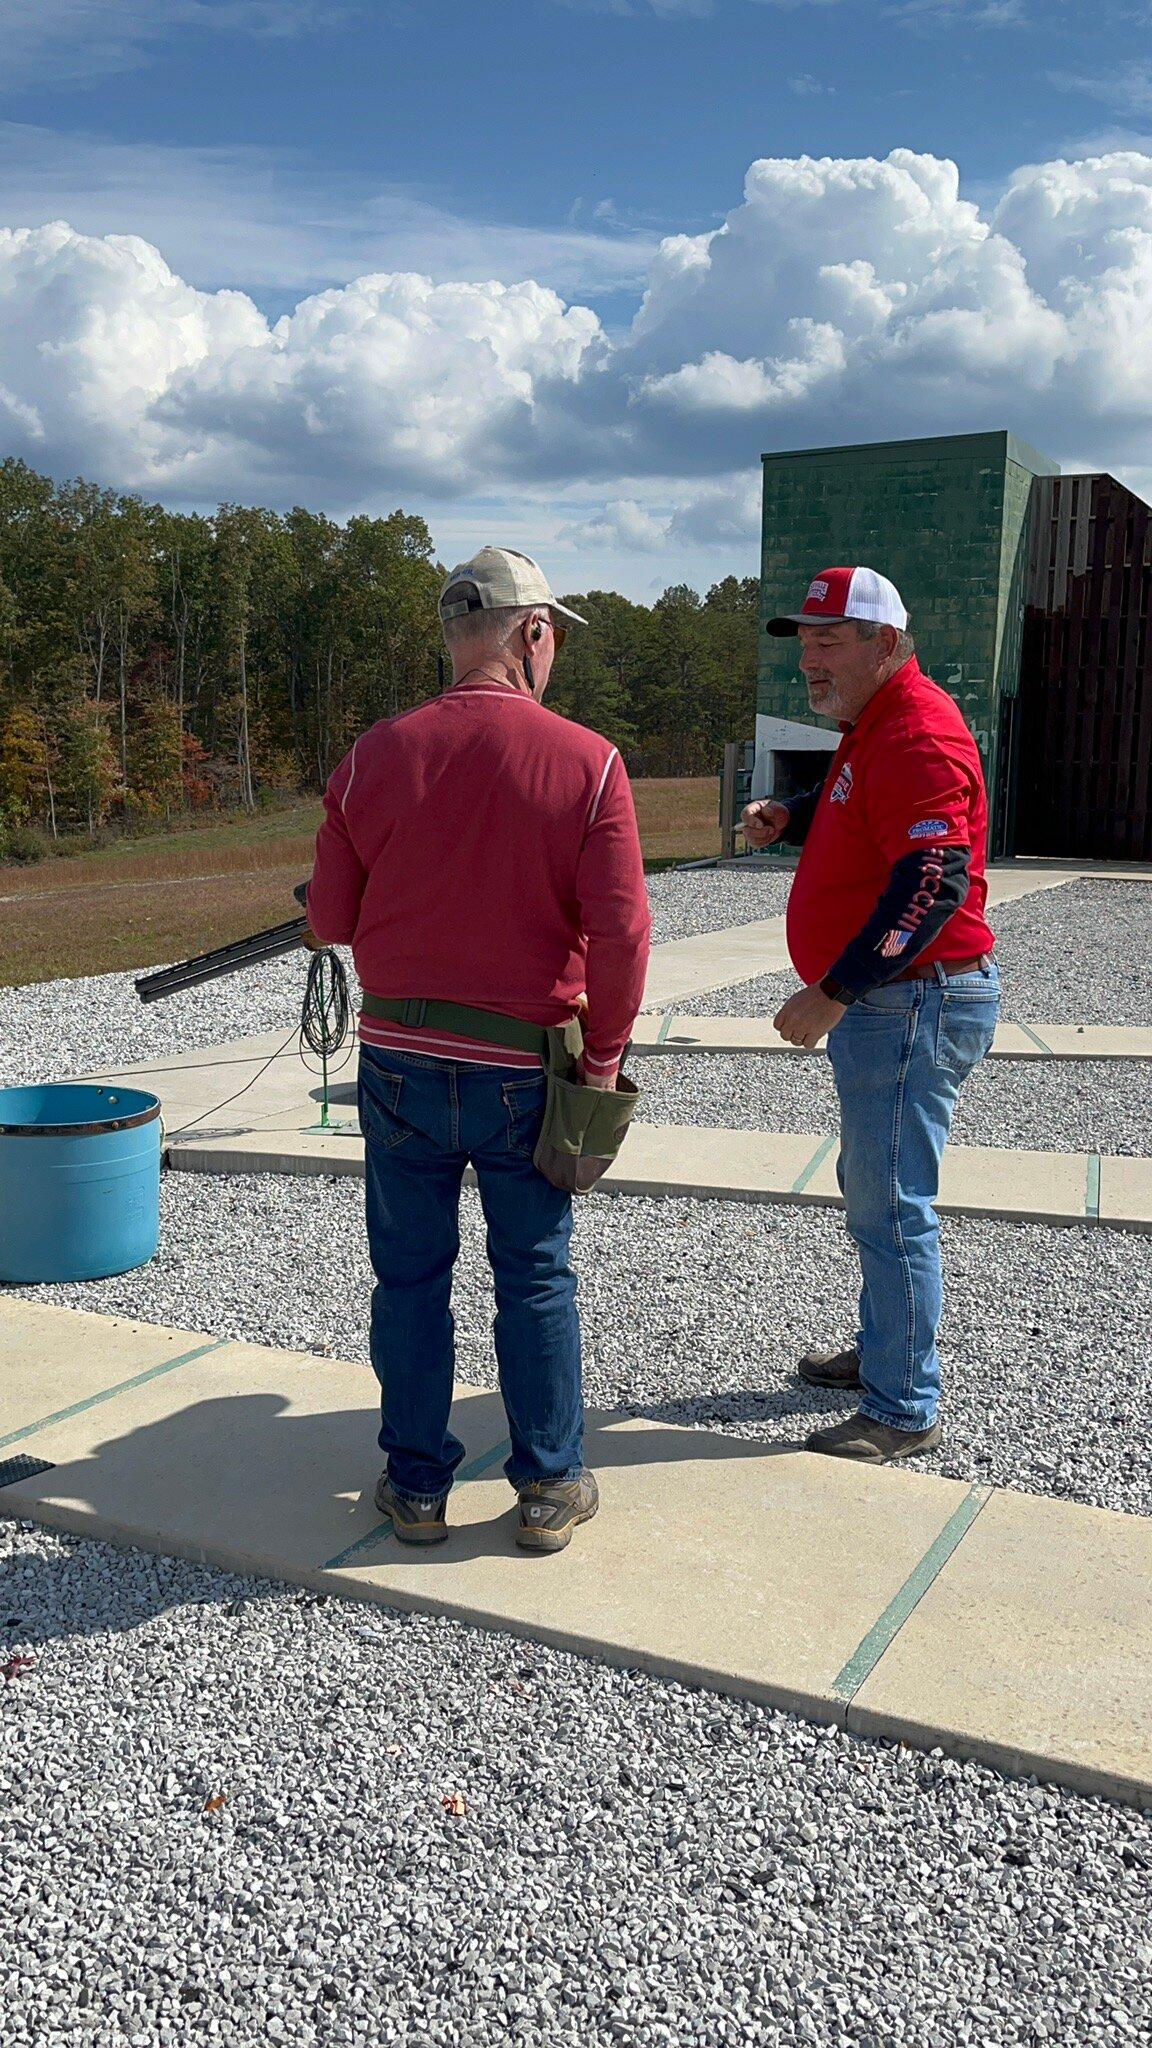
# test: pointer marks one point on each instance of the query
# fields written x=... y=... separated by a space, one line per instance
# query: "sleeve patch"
x=928 y=828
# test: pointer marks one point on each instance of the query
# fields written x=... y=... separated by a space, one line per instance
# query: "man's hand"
x=807 y=1016
x=598 y=1080
x=309 y=940
x=763 y=823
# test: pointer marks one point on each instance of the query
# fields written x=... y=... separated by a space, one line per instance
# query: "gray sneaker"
x=551 y=1508
x=830 y=1368
x=874 y=1443
x=413 y=1521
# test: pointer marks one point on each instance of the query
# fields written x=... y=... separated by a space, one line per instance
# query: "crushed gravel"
x=712 y=899
x=224 y=1799
x=1080 y=954
x=1049 y=1106
x=225 y=1822
x=695 y=1312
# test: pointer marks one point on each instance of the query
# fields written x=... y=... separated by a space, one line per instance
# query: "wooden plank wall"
x=1085 y=762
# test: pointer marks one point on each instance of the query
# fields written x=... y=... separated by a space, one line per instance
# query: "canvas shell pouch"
x=583 y=1127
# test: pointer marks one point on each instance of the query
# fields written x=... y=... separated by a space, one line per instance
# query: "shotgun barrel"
x=269 y=945
x=168 y=981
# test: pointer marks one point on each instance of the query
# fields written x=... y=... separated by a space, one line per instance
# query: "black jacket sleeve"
x=801 y=811
x=924 y=890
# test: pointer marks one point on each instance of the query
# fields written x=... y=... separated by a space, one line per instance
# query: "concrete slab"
x=737 y=1537
x=1095 y=1041
x=764 y=1166
x=1032 y=1650
x=688 y=967
x=685 y=1159
x=1126 y=1191
x=1042 y=1187
x=55 y=1363
x=1008 y=884
x=681 y=1032
x=1008 y=1628
x=300 y=1152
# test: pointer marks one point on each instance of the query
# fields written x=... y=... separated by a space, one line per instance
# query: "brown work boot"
x=551 y=1508
x=830 y=1368
x=874 y=1443
x=413 y=1521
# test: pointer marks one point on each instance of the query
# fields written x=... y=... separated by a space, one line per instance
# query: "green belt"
x=490 y=1026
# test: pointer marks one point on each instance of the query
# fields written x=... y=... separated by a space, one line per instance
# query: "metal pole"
x=728 y=802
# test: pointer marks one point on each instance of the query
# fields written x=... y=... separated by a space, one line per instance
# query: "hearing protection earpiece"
x=537 y=630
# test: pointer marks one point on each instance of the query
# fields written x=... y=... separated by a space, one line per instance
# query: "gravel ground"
x=1078 y=954
x=638 y=1863
x=694 y=1312
x=711 y=899
x=1064 y=1106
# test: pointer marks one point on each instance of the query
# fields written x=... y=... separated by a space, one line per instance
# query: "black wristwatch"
x=837 y=992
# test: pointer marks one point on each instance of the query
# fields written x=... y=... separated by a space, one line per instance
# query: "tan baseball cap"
x=499 y=577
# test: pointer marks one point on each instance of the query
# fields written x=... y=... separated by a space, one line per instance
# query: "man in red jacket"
x=481 y=857
x=886 y=928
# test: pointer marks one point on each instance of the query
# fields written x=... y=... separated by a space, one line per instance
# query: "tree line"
x=154 y=663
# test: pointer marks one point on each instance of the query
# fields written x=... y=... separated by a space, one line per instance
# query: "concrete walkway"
x=254 y=1107
x=694 y=967
x=752 y=1166
x=678 y=1031
x=992 y=1624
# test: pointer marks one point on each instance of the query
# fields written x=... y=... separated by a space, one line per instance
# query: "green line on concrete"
x=665 y=1027
x=141 y=1379
x=1092 y=1193
x=865 y=1658
x=1037 y=1041
x=814 y=1165
x=383 y=1530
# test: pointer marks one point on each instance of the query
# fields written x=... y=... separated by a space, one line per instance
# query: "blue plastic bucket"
x=79 y=1181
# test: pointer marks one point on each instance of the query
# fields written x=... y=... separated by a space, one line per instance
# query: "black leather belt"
x=982 y=962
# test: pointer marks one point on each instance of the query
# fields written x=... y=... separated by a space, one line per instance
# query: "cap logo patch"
x=928 y=828
x=818 y=589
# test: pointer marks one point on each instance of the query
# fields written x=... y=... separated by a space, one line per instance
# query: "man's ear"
x=888 y=637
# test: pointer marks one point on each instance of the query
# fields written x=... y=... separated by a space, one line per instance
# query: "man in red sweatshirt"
x=887 y=930
x=481 y=857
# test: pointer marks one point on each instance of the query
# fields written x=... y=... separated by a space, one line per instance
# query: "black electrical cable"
x=325 y=1024
x=326 y=1017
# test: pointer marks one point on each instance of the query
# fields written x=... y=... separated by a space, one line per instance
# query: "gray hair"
x=905 y=646
x=488 y=627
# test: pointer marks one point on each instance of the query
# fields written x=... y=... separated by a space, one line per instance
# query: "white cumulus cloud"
x=842 y=299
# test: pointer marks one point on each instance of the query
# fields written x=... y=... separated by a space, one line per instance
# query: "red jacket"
x=906 y=777
x=483 y=850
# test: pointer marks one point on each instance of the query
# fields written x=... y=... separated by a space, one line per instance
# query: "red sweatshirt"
x=483 y=850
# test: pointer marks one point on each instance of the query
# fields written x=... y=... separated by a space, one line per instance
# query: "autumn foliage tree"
x=153 y=662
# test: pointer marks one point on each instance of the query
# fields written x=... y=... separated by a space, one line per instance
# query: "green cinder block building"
x=950 y=521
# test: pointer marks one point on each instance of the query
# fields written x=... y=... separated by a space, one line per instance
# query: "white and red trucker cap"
x=837 y=594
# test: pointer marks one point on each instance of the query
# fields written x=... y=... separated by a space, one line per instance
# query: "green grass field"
x=171 y=894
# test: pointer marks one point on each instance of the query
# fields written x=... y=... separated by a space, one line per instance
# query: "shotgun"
x=269 y=945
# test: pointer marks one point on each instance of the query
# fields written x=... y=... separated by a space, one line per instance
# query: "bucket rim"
x=93 y=1128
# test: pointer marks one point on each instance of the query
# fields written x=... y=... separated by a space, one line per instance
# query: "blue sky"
x=583 y=370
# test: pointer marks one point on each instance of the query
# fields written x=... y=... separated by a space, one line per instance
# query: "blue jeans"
x=900 y=1057
x=423 y=1120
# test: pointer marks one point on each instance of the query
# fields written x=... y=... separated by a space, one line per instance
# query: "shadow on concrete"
x=239 y=1488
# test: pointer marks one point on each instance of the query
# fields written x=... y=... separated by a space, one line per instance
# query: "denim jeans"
x=423 y=1120
x=899 y=1058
